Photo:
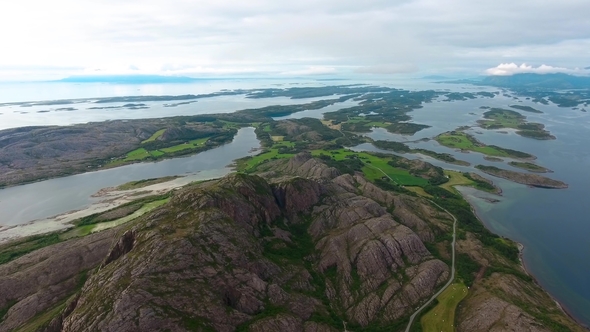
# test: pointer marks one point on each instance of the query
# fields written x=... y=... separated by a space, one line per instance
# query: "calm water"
x=44 y=199
x=552 y=224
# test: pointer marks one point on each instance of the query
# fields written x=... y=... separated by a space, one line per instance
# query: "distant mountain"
x=547 y=81
x=131 y=79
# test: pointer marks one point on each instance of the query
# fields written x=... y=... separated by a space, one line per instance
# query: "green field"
x=461 y=140
x=137 y=154
x=374 y=166
x=498 y=118
x=142 y=153
x=273 y=153
x=464 y=141
x=501 y=118
x=155 y=136
x=442 y=317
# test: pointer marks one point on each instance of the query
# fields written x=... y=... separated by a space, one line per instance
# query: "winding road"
x=452 y=257
x=452 y=271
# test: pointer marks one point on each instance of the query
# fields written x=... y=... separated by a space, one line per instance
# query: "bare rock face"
x=244 y=253
x=42 y=279
x=494 y=314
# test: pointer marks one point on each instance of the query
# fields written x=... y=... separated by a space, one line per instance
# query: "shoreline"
x=525 y=270
x=107 y=167
x=110 y=199
x=562 y=307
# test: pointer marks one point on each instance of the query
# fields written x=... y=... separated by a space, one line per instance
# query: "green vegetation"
x=468 y=222
x=42 y=319
x=375 y=166
x=403 y=148
x=529 y=167
x=97 y=222
x=21 y=247
x=143 y=154
x=526 y=108
x=188 y=145
x=480 y=184
x=145 y=183
x=155 y=136
x=497 y=118
x=442 y=317
x=392 y=146
x=464 y=141
x=467 y=268
x=5 y=309
x=405 y=128
x=441 y=156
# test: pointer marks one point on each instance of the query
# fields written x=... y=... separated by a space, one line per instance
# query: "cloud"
x=506 y=69
x=310 y=36
x=390 y=69
x=312 y=70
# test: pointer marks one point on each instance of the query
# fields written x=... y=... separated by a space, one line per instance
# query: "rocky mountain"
x=299 y=247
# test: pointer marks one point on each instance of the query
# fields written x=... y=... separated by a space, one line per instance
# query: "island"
x=465 y=142
x=529 y=167
x=498 y=118
x=307 y=234
x=532 y=180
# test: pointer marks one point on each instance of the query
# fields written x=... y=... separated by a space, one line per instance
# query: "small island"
x=532 y=180
x=498 y=118
x=465 y=142
x=526 y=108
x=530 y=167
x=493 y=159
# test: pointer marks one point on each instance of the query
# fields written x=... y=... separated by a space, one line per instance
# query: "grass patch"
x=497 y=118
x=455 y=179
x=87 y=225
x=529 y=166
x=442 y=317
x=464 y=141
x=41 y=320
x=155 y=136
x=137 y=154
x=375 y=167
x=14 y=250
x=145 y=183
x=420 y=191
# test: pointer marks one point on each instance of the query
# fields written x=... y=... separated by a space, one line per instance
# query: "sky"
x=201 y=38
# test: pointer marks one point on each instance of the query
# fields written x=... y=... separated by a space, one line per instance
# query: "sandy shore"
x=110 y=198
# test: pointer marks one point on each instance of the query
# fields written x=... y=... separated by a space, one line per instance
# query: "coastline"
x=110 y=199
x=525 y=270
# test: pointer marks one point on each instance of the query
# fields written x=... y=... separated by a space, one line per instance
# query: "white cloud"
x=506 y=69
x=266 y=36
x=312 y=70
x=389 y=69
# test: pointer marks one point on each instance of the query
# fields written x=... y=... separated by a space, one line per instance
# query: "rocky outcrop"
x=292 y=255
x=533 y=180
x=274 y=253
x=42 y=279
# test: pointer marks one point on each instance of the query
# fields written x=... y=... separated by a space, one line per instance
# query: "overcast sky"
x=58 y=38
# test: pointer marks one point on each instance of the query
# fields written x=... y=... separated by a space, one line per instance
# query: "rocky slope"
x=299 y=247
x=302 y=254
